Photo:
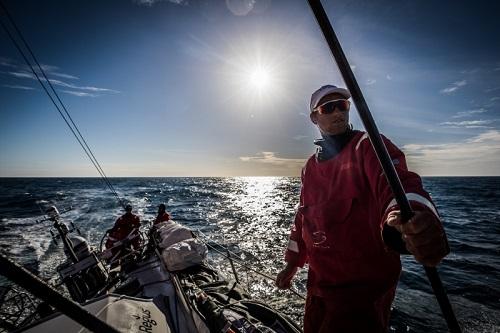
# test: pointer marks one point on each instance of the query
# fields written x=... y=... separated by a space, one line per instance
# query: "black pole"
x=37 y=287
x=380 y=151
x=68 y=246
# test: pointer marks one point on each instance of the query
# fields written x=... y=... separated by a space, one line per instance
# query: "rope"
x=243 y=264
x=74 y=129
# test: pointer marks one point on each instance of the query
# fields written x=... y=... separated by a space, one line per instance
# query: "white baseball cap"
x=327 y=90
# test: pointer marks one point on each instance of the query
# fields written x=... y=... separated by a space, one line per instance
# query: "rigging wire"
x=240 y=262
x=74 y=129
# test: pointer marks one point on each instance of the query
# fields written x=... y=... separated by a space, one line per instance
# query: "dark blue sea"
x=252 y=216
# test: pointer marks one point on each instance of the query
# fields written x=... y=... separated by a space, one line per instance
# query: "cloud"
x=300 y=137
x=48 y=69
x=150 y=3
x=23 y=75
x=478 y=155
x=72 y=86
x=490 y=136
x=469 y=123
x=6 y=62
x=269 y=157
x=28 y=75
x=24 y=72
x=470 y=71
x=453 y=87
x=369 y=82
x=496 y=98
x=13 y=86
x=65 y=76
x=448 y=90
x=492 y=89
x=79 y=93
x=468 y=113
x=388 y=77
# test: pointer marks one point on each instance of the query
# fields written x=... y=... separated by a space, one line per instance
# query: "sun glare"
x=260 y=78
x=254 y=73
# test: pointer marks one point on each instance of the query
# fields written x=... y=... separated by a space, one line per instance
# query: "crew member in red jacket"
x=348 y=227
x=123 y=227
x=162 y=214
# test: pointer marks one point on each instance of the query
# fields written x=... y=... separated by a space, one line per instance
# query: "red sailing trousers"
x=354 y=316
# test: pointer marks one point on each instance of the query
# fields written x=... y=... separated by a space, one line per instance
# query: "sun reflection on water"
x=255 y=223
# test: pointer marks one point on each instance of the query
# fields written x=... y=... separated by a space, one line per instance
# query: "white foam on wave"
x=38 y=238
x=15 y=222
x=26 y=240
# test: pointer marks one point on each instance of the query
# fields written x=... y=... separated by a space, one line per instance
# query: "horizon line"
x=267 y=176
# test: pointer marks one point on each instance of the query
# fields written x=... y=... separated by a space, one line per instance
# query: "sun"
x=260 y=78
x=254 y=73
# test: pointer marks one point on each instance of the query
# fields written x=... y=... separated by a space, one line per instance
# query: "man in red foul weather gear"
x=348 y=227
x=126 y=225
x=162 y=216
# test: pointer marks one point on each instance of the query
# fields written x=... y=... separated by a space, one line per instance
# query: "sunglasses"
x=342 y=105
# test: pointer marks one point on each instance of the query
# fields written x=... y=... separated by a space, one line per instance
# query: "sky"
x=222 y=88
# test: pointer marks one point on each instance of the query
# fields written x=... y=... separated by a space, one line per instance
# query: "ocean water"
x=252 y=216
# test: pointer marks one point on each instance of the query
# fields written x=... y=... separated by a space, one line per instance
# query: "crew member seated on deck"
x=162 y=216
x=125 y=225
x=348 y=226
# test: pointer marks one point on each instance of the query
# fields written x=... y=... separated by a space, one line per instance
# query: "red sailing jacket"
x=164 y=217
x=122 y=228
x=338 y=226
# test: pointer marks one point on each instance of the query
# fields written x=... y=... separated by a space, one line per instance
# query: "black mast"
x=380 y=151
